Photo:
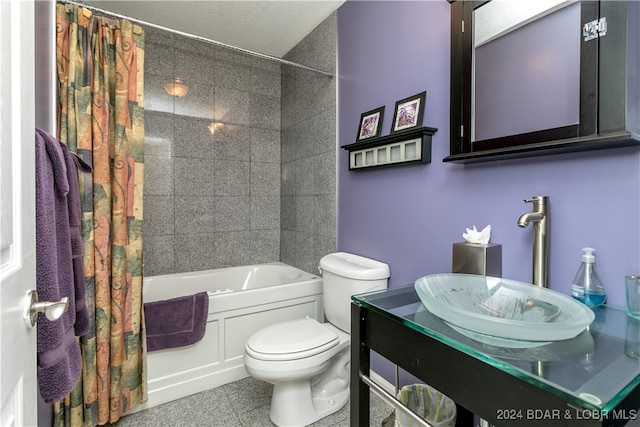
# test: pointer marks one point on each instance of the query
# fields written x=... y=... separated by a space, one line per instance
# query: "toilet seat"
x=291 y=340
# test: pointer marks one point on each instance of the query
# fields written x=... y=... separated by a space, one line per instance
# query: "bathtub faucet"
x=540 y=219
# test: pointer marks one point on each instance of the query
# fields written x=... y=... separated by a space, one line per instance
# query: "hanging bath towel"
x=176 y=322
x=58 y=266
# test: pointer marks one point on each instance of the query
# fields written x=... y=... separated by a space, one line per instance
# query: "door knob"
x=52 y=310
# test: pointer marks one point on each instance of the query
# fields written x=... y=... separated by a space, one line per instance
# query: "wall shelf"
x=400 y=148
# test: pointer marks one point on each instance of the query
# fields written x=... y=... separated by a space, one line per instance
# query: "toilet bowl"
x=300 y=395
x=307 y=361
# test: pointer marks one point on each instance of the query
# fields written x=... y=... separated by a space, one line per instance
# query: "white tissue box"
x=475 y=258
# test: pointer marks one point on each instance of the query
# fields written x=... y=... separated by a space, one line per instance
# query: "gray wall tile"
x=265 y=246
x=265 y=179
x=158 y=175
x=233 y=142
x=287 y=145
x=193 y=138
x=232 y=213
x=159 y=130
x=232 y=106
x=265 y=213
x=258 y=188
x=267 y=84
x=233 y=248
x=288 y=247
x=325 y=173
x=195 y=252
x=305 y=214
x=265 y=112
x=305 y=179
x=232 y=76
x=308 y=150
x=159 y=56
x=157 y=36
x=324 y=207
x=198 y=102
x=265 y=145
x=304 y=135
x=195 y=214
x=159 y=255
x=234 y=57
x=155 y=97
x=194 y=177
x=324 y=129
x=158 y=216
x=300 y=253
x=266 y=65
x=194 y=61
x=232 y=178
x=323 y=245
x=288 y=179
x=288 y=213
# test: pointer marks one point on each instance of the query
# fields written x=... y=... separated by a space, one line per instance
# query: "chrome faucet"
x=540 y=219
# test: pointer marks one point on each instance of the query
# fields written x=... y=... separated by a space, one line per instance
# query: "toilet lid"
x=294 y=339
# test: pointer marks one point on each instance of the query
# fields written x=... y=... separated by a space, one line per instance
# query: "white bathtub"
x=242 y=300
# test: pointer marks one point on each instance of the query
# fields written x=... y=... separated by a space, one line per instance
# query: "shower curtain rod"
x=202 y=39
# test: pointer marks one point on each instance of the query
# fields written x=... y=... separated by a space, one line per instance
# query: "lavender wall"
x=409 y=216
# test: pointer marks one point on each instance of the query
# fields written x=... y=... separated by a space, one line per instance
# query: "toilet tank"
x=344 y=275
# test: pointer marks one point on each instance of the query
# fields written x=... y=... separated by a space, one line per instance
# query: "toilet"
x=307 y=361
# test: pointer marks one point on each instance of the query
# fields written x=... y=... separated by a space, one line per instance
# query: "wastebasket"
x=429 y=404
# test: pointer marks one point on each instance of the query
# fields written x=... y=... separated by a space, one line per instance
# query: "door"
x=18 y=387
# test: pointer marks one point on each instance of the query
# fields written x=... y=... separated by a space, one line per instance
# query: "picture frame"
x=370 y=124
x=409 y=112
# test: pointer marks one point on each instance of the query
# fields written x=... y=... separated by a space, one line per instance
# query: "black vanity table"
x=590 y=380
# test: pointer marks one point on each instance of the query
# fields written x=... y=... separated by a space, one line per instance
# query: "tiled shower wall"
x=309 y=151
x=213 y=157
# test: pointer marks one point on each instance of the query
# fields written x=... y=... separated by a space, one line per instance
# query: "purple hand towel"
x=75 y=164
x=59 y=359
x=176 y=322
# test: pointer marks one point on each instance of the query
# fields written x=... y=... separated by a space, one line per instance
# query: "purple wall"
x=409 y=216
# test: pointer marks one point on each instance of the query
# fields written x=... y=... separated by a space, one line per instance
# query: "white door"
x=18 y=387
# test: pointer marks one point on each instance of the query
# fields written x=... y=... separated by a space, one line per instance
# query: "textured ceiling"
x=266 y=26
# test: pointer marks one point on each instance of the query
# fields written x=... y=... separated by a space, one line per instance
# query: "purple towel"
x=59 y=359
x=176 y=322
x=75 y=164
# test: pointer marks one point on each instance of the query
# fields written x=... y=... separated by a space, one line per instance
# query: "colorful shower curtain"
x=101 y=118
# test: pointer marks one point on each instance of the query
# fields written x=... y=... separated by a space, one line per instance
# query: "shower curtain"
x=101 y=118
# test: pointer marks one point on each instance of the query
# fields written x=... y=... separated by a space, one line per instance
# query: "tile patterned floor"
x=244 y=403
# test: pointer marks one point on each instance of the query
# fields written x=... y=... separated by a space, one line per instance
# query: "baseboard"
x=159 y=395
x=386 y=385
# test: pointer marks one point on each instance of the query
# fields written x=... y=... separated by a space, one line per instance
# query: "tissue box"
x=474 y=258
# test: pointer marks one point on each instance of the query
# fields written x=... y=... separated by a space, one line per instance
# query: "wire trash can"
x=428 y=403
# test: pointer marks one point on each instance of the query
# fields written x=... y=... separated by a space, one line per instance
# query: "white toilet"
x=307 y=361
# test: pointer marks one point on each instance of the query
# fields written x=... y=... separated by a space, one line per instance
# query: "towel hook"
x=52 y=310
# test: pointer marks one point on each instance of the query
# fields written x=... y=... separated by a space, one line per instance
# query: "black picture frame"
x=370 y=124
x=409 y=112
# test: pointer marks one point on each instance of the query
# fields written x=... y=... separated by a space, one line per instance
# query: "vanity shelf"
x=592 y=380
x=401 y=148
x=569 y=145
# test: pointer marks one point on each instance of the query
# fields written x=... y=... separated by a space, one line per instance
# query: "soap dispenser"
x=587 y=286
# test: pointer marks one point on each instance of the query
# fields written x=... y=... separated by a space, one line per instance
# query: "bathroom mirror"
x=538 y=77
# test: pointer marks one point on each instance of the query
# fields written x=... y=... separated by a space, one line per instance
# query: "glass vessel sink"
x=502 y=308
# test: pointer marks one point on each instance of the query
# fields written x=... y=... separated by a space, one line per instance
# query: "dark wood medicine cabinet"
x=571 y=72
